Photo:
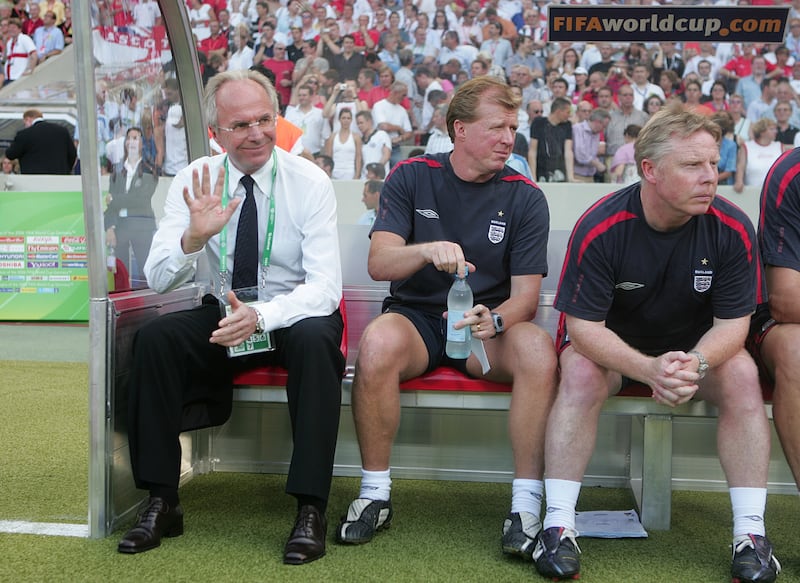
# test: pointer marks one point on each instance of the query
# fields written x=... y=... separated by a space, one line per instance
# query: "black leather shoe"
x=307 y=541
x=155 y=520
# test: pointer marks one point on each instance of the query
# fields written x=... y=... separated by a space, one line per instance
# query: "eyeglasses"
x=536 y=111
x=241 y=128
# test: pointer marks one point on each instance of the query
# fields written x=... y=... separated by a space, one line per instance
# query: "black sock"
x=169 y=494
x=318 y=503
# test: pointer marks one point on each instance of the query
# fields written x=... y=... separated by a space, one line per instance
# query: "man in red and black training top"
x=779 y=240
x=658 y=286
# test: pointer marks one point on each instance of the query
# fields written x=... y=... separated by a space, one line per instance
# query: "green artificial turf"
x=236 y=524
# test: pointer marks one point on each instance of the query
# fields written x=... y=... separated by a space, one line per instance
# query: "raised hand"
x=206 y=214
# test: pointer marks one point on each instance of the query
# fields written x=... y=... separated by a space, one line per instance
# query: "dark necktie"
x=245 y=254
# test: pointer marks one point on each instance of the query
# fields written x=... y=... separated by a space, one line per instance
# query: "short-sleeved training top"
x=659 y=291
x=779 y=224
x=502 y=226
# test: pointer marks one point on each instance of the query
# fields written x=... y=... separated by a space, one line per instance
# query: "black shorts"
x=761 y=322
x=433 y=330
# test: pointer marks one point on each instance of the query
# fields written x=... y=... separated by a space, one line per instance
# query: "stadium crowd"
x=402 y=61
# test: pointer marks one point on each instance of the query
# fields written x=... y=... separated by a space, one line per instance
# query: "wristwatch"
x=260 y=325
x=497 y=320
x=702 y=363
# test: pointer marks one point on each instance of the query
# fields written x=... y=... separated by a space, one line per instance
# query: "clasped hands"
x=673 y=378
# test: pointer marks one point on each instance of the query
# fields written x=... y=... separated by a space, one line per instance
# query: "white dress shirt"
x=304 y=277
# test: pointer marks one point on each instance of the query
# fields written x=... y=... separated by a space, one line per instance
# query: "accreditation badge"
x=258 y=342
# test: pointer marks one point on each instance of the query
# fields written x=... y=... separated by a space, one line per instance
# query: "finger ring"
x=479 y=328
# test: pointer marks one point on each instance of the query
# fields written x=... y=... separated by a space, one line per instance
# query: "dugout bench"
x=452 y=427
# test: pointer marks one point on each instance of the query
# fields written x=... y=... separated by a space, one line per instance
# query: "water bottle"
x=459 y=300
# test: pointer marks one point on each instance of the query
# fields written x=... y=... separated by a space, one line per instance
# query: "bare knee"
x=583 y=383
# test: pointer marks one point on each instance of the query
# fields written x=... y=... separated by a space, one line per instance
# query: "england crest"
x=496 y=233
x=702 y=283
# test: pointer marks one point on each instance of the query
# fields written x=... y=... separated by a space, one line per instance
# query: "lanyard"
x=223 y=236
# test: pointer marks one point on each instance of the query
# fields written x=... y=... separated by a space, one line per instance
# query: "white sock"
x=748 y=510
x=562 y=497
x=526 y=496
x=375 y=485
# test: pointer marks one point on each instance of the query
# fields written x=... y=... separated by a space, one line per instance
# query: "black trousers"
x=180 y=381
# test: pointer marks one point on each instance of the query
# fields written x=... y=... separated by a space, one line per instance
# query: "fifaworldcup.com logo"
x=666 y=23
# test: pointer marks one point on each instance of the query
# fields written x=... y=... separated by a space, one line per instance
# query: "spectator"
x=726 y=167
x=653 y=105
x=345 y=149
x=469 y=32
x=9 y=166
x=370 y=197
x=550 y=154
x=200 y=15
x=20 y=53
x=34 y=20
x=667 y=58
x=623 y=164
x=494 y=45
x=719 y=97
x=606 y=61
x=682 y=339
x=309 y=118
x=344 y=97
x=402 y=36
x=242 y=56
x=521 y=76
x=506 y=28
x=439 y=141
x=283 y=69
x=388 y=54
x=756 y=156
x=621 y=118
x=670 y=84
x=427 y=81
x=424 y=50
x=265 y=47
x=741 y=125
x=390 y=116
x=49 y=39
x=523 y=55
x=597 y=80
x=171 y=130
x=375 y=171
x=784 y=93
x=605 y=99
x=693 y=95
x=365 y=80
x=376 y=145
x=786 y=131
x=215 y=42
x=764 y=104
x=330 y=41
x=348 y=62
x=58 y=8
x=452 y=50
x=642 y=87
x=324 y=162
x=586 y=146
x=294 y=50
x=42 y=147
x=310 y=63
x=129 y=220
x=749 y=86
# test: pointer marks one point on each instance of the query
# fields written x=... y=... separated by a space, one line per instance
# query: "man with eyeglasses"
x=230 y=206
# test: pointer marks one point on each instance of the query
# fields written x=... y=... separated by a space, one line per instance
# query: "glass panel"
x=140 y=126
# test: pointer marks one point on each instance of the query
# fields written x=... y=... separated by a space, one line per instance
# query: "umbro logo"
x=428 y=213
x=629 y=285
